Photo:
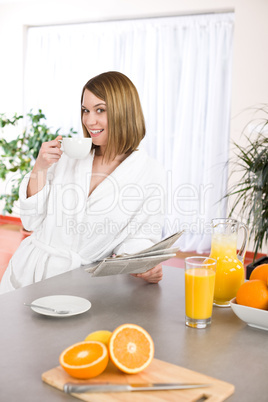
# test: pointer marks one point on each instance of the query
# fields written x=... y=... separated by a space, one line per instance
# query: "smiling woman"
x=115 y=104
x=89 y=190
x=112 y=116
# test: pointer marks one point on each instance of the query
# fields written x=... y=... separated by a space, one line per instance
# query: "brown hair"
x=124 y=113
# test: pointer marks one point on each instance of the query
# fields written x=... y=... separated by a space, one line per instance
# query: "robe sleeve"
x=33 y=210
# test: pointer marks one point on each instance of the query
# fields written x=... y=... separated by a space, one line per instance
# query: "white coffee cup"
x=76 y=148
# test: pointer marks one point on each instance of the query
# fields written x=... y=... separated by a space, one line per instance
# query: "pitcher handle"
x=241 y=253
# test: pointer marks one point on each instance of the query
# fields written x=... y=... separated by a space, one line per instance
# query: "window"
x=182 y=69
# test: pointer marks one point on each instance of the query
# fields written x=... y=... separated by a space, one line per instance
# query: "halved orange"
x=131 y=348
x=85 y=359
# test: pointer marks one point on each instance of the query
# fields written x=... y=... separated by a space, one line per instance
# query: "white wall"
x=250 y=62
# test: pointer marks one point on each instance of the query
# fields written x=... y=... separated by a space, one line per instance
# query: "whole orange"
x=260 y=272
x=253 y=293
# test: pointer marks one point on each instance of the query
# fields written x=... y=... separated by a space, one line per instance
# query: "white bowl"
x=254 y=317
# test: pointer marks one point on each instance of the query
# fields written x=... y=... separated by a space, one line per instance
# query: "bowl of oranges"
x=251 y=301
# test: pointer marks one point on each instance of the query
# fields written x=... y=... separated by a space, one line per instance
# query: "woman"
x=81 y=211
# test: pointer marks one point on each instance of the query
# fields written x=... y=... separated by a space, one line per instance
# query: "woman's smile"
x=95 y=133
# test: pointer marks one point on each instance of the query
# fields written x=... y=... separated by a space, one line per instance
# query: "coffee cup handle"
x=61 y=148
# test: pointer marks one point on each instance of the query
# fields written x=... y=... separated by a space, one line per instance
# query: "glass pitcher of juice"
x=230 y=272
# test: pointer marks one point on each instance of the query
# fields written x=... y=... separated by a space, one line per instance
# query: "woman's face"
x=95 y=118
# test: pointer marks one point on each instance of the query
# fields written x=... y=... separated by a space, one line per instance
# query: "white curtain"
x=181 y=67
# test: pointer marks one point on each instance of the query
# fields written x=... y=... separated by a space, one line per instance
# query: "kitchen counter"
x=31 y=343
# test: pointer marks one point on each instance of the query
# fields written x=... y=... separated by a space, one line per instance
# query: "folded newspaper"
x=139 y=262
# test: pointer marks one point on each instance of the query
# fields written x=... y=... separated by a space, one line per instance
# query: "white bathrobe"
x=124 y=214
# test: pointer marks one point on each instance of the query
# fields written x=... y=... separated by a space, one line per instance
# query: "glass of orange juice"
x=200 y=275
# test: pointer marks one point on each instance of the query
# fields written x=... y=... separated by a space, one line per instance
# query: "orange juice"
x=229 y=272
x=199 y=291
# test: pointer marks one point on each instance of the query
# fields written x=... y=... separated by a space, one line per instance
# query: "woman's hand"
x=154 y=275
x=49 y=154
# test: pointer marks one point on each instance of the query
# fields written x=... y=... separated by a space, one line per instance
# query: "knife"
x=107 y=387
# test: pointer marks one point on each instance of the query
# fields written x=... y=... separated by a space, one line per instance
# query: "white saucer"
x=76 y=305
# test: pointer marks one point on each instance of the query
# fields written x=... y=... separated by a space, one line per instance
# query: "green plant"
x=19 y=154
x=251 y=192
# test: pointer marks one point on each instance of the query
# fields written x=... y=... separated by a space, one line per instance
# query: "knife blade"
x=107 y=387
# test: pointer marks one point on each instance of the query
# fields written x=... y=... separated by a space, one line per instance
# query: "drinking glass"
x=200 y=275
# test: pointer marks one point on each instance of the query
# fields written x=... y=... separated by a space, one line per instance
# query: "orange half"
x=85 y=359
x=131 y=348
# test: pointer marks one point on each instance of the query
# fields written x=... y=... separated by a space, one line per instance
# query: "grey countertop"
x=30 y=344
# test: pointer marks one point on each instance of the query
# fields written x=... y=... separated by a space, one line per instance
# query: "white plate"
x=254 y=317
x=76 y=305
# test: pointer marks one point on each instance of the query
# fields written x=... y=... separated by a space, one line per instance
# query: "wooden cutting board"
x=158 y=371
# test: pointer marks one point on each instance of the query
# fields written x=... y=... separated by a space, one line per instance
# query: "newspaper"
x=138 y=262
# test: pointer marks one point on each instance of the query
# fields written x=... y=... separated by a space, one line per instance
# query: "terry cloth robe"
x=124 y=214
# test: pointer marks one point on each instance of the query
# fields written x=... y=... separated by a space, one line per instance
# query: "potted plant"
x=251 y=191
x=18 y=155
